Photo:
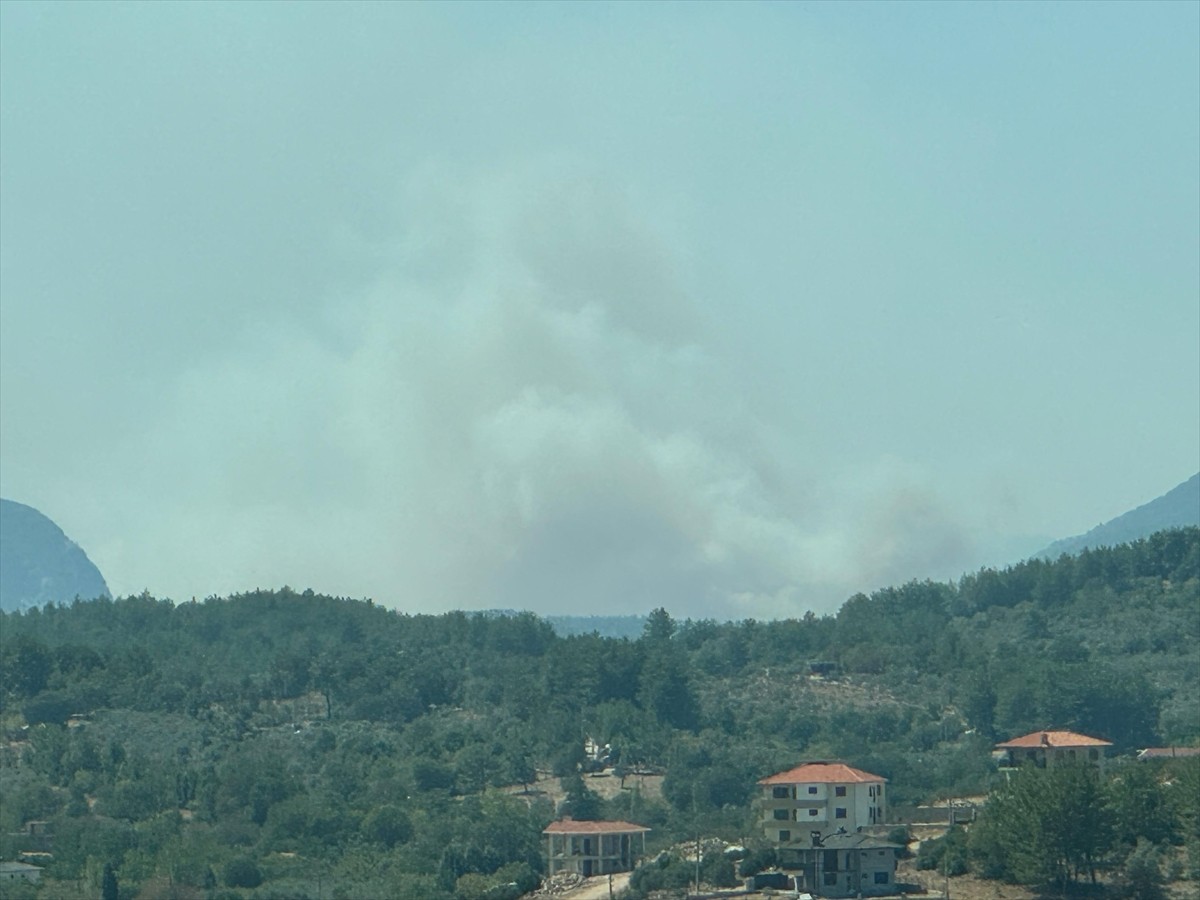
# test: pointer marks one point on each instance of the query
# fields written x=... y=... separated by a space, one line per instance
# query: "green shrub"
x=241 y=871
x=947 y=854
x=717 y=869
x=756 y=861
x=1143 y=877
x=900 y=835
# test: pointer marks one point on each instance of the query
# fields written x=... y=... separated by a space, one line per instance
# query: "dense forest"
x=287 y=744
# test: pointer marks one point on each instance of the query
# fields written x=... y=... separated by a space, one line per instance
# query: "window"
x=812 y=789
x=1093 y=754
x=779 y=793
x=784 y=837
x=882 y=877
x=839 y=791
x=781 y=815
x=839 y=813
x=813 y=812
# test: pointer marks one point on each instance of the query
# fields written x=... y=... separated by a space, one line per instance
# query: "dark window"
x=781 y=814
x=813 y=812
x=839 y=791
x=784 y=837
x=829 y=864
x=780 y=793
x=1093 y=754
x=881 y=878
x=812 y=790
x=839 y=813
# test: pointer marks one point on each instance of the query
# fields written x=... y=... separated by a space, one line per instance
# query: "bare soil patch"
x=605 y=784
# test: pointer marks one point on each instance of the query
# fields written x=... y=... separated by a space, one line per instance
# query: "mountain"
x=39 y=564
x=1178 y=508
x=606 y=626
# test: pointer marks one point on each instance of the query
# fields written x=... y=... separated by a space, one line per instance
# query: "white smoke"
x=522 y=411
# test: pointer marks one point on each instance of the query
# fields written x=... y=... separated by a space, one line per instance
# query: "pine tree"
x=109 y=890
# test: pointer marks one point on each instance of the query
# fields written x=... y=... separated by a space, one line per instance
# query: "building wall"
x=592 y=854
x=31 y=875
x=800 y=808
x=1048 y=757
x=843 y=873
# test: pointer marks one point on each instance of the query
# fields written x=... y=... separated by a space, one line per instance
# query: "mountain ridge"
x=39 y=564
x=1177 y=508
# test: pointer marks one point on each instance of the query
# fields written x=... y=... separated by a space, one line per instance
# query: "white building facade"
x=820 y=796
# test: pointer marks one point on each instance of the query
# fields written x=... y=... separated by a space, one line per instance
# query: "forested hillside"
x=288 y=744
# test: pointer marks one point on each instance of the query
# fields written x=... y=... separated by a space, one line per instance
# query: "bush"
x=429 y=775
x=474 y=886
x=1143 y=877
x=947 y=854
x=756 y=861
x=242 y=871
x=49 y=707
x=900 y=835
x=717 y=869
x=666 y=872
x=988 y=855
x=526 y=879
x=387 y=825
x=1192 y=867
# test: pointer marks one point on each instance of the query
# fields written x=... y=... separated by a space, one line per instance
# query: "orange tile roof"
x=1053 y=739
x=573 y=826
x=822 y=773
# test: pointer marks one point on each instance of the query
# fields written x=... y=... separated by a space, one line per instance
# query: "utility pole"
x=946 y=855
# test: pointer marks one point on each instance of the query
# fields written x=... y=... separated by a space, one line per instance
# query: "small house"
x=842 y=864
x=1051 y=748
x=19 y=871
x=593 y=848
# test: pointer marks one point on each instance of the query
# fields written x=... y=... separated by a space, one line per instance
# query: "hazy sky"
x=579 y=308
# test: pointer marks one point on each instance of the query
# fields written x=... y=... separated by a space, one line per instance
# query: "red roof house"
x=823 y=773
x=817 y=796
x=1050 y=748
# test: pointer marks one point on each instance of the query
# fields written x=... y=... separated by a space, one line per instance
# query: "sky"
x=736 y=309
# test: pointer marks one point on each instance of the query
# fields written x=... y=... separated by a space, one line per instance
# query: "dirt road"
x=597 y=888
